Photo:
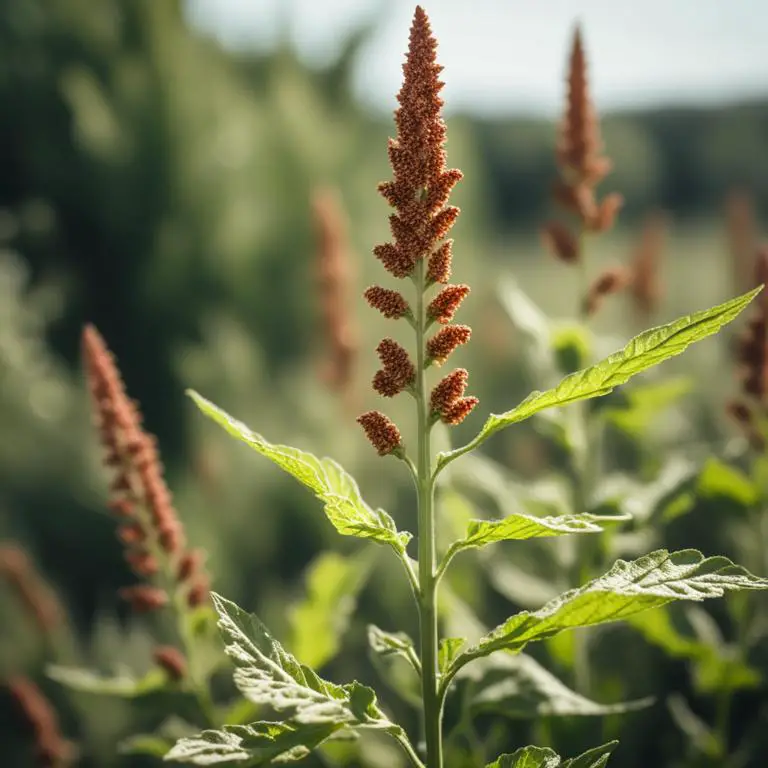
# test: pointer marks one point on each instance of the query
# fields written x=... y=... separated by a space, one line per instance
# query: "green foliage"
x=517 y=686
x=542 y=757
x=644 y=351
x=319 y=621
x=344 y=506
x=122 y=685
x=628 y=588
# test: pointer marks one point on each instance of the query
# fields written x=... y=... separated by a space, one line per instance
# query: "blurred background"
x=176 y=173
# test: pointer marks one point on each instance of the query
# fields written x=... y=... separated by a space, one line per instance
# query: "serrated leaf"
x=344 y=506
x=267 y=674
x=260 y=743
x=641 y=353
x=628 y=588
x=121 y=685
x=320 y=619
x=521 y=526
x=543 y=757
x=518 y=686
x=449 y=649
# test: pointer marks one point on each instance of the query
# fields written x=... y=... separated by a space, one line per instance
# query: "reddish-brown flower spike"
x=580 y=144
x=51 y=748
x=381 y=432
x=560 y=241
x=439 y=264
x=443 y=307
x=422 y=185
x=646 y=285
x=440 y=346
x=606 y=213
x=35 y=595
x=172 y=661
x=391 y=304
x=447 y=401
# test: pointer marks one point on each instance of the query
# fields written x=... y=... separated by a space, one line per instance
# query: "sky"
x=508 y=56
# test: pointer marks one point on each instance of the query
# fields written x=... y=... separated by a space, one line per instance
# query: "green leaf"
x=395 y=658
x=318 y=622
x=543 y=757
x=344 y=506
x=267 y=674
x=628 y=588
x=521 y=526
x=518 y=686
x=449 y=649
x=260 y=743
x=144 y=744
x=122 y=684
x=643 y=403
x=721 y=481
x=644 y=351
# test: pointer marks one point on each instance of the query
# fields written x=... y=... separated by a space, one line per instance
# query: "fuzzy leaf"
x=628 y=588
x=518 y=686
x=448 y=651
x=388 y=643
x=344 y=506
x=521 y=526
x=642 y=352
x=267 y=674
x=260 y=743
x=543 y=757
x=121 y=685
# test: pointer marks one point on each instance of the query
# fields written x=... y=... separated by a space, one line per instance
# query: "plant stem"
x=426 y=531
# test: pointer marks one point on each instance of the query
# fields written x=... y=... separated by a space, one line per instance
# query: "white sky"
x=504 y=56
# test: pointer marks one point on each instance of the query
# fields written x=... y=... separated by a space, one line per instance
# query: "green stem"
x=402 y=740
x=427 y=581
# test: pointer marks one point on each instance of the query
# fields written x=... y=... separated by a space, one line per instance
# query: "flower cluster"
x=582 y=167
x=149 y=528
x=36 y=596
x=51 y=748
x=335 y=277
x=419 y=193
x=751 y=410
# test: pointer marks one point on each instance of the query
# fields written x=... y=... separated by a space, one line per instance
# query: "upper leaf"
x=344 y=506
x=642 y=352
x=628 y=588
x=543 y=757
x=521 y=526
x=267 y=674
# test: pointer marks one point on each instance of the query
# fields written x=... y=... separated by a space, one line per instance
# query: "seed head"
x=35 y=595
x=443 y=307
x=447 y=401
x=439 y=264
x=391 y=304
x=51 y=748
x=150 y=527
x=440 y=346
x=172 y=661
x=398 y=371
x=561 y=242
x=610 y=281
x=421 y=185
x=382 y=433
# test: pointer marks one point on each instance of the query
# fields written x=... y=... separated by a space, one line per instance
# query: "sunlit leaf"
x=628 y=588
x=121 y=685
x=260 y=743
x=521 y=526
x=449 y=649
x=543 y=757
x=319 y=620
x=644 y=351
x=395 y=658
x=518 y=686
x=145 y=744
x=344 y=506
